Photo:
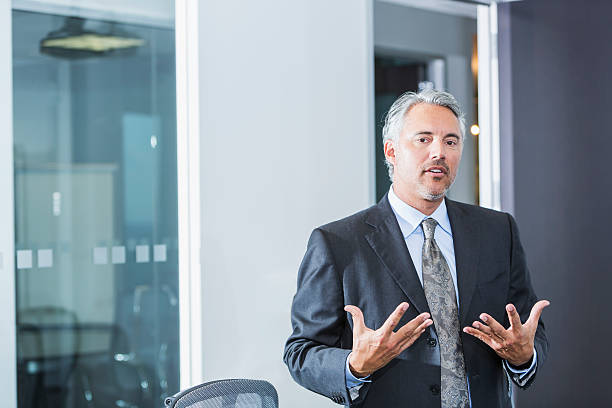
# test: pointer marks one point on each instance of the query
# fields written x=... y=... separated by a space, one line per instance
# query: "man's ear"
x=389 y=151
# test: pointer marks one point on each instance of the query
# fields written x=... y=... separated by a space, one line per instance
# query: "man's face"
x=427 y=153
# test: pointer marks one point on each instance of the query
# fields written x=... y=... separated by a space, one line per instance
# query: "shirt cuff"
x=522 y=371
x=351 y=380
x=522 y=376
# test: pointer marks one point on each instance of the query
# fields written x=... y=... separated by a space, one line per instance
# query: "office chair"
x=226 y=394
x=48 y=346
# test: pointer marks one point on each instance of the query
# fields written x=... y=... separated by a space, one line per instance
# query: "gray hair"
x=394 y=121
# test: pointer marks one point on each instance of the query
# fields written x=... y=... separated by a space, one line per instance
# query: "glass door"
x=95 y=170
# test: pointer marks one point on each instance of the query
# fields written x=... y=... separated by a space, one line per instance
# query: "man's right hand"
x=373 y=349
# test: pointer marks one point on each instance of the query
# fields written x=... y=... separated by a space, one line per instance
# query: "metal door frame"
x=189 y=208
x=8 y=351
x=489 y=154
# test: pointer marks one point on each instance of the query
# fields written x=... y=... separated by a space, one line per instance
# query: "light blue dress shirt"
x=409 y=220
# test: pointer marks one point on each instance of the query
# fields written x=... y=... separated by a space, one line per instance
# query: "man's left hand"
x=514 y=344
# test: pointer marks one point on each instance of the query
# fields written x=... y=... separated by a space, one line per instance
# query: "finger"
x=497 y=328
x=513 y=316
x=485 y=329
x=407 y=329
x=358 y=323
x=394 y=318
x=412 y=337
x=485 y=338
x=536 y=311
x=418 y=330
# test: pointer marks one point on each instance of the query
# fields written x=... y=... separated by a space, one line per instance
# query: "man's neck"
x=427 y=207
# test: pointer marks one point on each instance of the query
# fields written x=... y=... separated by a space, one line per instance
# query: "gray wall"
x=555 y=92
x=407 y=31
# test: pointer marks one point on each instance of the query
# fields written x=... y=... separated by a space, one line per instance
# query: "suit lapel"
x=466 y=242
x=389 y=245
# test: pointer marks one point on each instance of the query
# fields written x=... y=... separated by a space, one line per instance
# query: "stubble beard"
x=429 y=195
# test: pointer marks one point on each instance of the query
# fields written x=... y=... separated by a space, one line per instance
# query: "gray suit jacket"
x=363 y=260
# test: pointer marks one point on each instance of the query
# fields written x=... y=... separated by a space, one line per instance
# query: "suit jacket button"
x=435 y=389
x=432 y=342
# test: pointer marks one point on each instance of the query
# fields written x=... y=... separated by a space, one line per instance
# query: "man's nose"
x=437 y=150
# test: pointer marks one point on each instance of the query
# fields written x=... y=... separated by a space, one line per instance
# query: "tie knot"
x=429 y=227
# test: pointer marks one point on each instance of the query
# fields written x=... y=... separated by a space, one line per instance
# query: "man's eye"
x=422 y=140
x=451 y=142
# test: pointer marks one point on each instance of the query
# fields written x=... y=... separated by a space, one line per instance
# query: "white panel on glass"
x=57 y=203
x=100 y=256
x=24 y=259
x=45 y=258
x=159 y=253
x=142 y=253
x=118 y=255
x=1 y=261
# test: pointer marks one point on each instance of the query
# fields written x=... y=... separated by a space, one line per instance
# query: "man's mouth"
x=436 y=170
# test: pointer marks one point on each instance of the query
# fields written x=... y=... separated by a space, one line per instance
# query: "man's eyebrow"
x=428 y=132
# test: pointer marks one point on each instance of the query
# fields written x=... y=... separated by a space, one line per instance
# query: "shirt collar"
x=409 y=218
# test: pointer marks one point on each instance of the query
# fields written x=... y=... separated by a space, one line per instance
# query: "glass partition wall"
x=96 y=271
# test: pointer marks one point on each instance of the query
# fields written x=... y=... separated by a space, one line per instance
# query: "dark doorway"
x=392 y=77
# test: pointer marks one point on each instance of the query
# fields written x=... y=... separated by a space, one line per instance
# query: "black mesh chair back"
x=237 y=393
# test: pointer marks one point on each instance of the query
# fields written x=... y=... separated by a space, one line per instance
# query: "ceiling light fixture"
x=74 y=41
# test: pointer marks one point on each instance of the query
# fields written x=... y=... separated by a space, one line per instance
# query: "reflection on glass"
x=96 y=212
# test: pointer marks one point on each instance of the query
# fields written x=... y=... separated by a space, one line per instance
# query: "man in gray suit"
x=443 y=311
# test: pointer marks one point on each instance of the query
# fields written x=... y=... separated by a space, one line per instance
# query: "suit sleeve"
x=522 y=296
x=313 y=353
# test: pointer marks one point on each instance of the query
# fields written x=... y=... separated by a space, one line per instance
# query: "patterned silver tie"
x=440 y=293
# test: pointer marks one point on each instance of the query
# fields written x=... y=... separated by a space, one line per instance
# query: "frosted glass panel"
x=96 y=212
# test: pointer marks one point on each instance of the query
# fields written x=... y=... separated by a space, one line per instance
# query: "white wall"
x=286 y=97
